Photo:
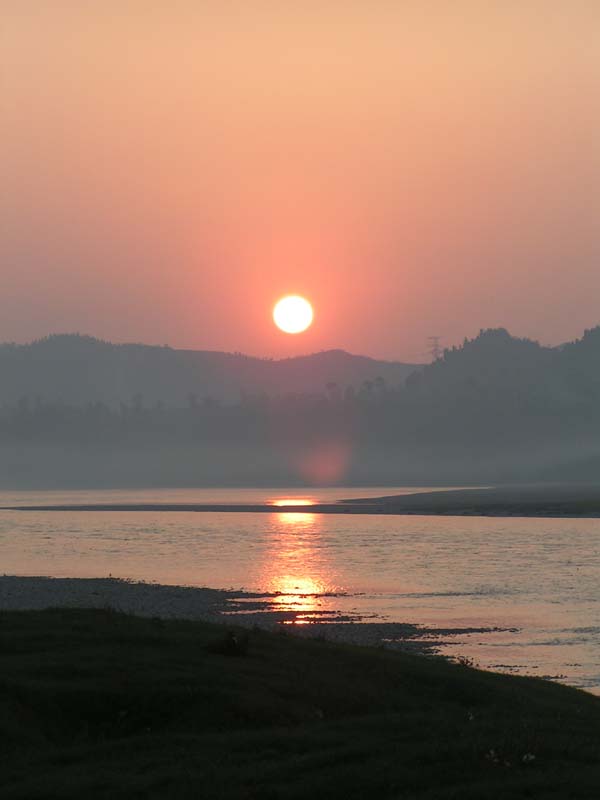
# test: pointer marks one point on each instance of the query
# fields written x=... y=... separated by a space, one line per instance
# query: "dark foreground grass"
x=95 y=704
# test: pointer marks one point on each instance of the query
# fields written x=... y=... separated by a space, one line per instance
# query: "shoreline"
x=546 y=501
x=223 y=606
x=99 y=704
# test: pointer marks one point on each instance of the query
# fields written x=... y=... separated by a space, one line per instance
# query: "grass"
x=96 y=704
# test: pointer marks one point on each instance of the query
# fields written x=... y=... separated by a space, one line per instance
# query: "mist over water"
x=536 y=579
x=79 y=413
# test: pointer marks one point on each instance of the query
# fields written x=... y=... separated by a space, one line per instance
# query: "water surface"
x=536 y=579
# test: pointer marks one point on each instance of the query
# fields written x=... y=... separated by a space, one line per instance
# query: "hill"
x=495 y=360
x=497 y=409
x=78 y=369
x=496 y=386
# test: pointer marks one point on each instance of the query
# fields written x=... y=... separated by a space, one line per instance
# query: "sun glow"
x=293 y=314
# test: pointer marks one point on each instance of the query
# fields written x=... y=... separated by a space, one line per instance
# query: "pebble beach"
x=211 y=605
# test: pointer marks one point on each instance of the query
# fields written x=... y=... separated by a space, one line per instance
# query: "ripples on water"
x=539 y=576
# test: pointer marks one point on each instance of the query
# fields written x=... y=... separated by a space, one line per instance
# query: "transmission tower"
x=435 y=349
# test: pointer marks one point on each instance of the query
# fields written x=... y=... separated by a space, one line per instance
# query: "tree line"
x=494 y=391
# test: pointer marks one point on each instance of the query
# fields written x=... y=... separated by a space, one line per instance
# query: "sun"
x=293 y=314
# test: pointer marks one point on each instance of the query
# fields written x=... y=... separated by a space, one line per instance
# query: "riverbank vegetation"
x=98 y=704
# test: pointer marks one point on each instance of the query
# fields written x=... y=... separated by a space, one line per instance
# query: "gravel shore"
x=213 y=605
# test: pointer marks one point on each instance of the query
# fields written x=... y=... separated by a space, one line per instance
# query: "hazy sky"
x=168 y=169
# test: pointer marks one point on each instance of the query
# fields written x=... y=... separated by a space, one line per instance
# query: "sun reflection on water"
x=294 y=518
x=296 y=569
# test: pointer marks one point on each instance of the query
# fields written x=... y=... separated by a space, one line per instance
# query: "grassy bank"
x=95 y=704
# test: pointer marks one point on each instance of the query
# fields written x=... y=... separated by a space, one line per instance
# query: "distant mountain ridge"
x=78 y=369
x=494 y=361
x=496 y=409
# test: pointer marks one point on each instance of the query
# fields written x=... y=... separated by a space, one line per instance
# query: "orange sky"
x=170 y=168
